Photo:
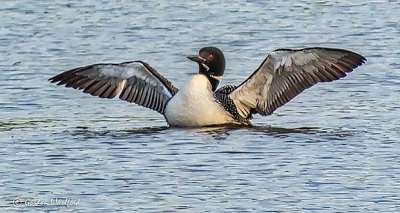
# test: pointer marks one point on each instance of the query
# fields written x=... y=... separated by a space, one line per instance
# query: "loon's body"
x=196 y=105
x=284 y=74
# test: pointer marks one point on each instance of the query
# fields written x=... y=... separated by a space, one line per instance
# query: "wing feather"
x=285 y=73
x=135 y=81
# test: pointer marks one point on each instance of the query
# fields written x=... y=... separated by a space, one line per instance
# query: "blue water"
x=334 y=148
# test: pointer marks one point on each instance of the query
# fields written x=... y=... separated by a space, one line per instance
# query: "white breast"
x=194 y=105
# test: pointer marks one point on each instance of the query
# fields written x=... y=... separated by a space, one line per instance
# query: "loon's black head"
x=211 y=62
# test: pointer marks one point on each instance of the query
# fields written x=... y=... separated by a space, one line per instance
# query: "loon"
x=283 y=74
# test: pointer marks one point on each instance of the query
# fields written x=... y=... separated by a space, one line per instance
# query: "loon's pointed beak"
x=200 y=60
x=196 y=58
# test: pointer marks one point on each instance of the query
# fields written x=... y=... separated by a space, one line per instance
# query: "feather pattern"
x=134 y=81
x=222 y=97
x=285 y=73
x=226 y=89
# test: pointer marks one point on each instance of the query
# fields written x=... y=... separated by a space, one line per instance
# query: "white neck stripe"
x=219 y=78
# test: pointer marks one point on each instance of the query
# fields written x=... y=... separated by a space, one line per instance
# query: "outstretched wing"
x=285 y=73
x=134 y=81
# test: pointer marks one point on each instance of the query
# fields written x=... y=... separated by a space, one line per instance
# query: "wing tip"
x=64 y=75
x=55 y=78
x=361 y=58
x=358 y=59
